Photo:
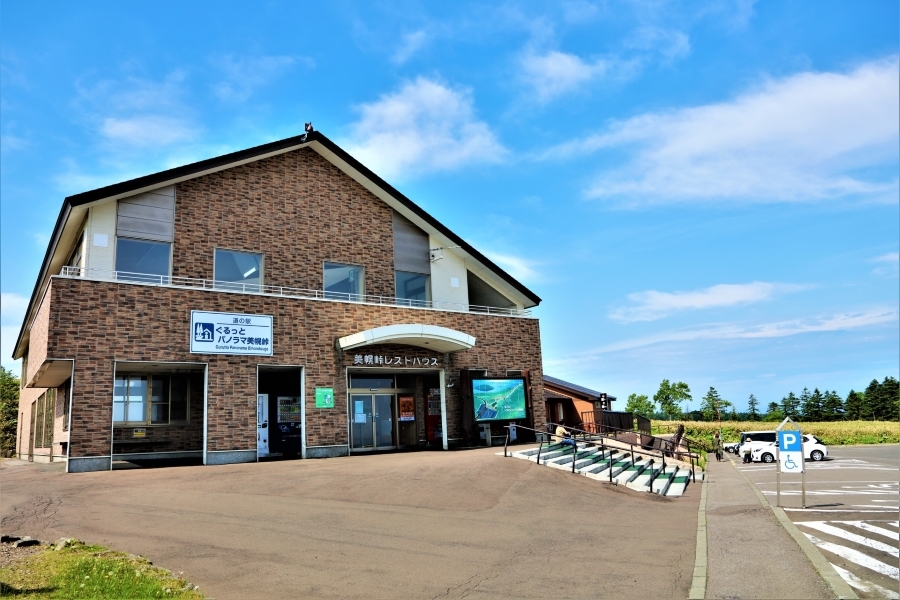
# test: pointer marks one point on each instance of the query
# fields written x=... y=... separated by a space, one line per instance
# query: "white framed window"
x=415 y=287
x=344 y=282
x=141 y=260
x=156 y=399
x=236 y=270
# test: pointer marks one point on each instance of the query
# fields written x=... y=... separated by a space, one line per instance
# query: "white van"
x=756 y=436
x=813 y=449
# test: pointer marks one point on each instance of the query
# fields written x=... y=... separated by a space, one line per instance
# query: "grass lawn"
x=81 y=571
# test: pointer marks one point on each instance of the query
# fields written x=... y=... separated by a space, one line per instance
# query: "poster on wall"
x=407 y=408
x=324 y=397
x=231 y=333
x=499 y=399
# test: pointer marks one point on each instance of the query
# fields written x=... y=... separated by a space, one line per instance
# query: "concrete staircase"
x=636 y=471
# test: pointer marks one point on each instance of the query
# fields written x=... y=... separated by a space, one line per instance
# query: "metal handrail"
x=661 y=453
x=282 y=291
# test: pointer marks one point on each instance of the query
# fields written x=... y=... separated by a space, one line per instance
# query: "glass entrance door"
x=372 y=421
x=384 y=420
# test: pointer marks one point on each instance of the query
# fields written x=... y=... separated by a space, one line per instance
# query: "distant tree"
x=856 y=407
x=890 y=388
x=883 y=399
x=752 y=406
x=9 y=411
x=811 y=409
x=773 y=412
x=712 y=405
x=832 y=407
x=640 y=405
x=790 y=405
x=874 y=400
x=733 y=415
x=670 y=395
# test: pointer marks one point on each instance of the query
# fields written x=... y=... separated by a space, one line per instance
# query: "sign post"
x=789 y=454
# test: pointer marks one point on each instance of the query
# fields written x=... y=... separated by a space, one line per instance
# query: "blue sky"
x=699 y=191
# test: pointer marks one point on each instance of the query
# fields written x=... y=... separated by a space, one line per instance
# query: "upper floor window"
x=344 y=282
x=413 y=286
x=140 y=260
x=238 y=270
x=76 y=259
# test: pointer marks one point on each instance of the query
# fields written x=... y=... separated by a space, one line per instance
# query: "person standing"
x=747 y=450
x=717 y=446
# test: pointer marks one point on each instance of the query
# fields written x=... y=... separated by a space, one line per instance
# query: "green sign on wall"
x=324 y=397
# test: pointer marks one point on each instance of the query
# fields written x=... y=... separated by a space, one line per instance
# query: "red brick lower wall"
x=99 y=323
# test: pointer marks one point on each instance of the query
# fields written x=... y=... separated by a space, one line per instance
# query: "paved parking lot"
x=413 y=525
x=851 y=515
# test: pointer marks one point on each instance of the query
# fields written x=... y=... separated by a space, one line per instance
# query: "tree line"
x=880 y=401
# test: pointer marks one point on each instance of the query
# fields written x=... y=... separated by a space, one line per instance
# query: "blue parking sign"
x=789 y=441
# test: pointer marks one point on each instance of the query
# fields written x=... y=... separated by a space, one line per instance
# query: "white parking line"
x=864 y=586
x=855 y=556
x=894 y=535
x=851 y=537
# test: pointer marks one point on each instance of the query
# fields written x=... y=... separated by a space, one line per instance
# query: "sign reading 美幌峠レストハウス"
x=231 y=333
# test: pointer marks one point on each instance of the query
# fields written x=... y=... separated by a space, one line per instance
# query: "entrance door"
x=372 y=421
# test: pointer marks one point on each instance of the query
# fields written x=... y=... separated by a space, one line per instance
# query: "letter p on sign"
x=789 y=441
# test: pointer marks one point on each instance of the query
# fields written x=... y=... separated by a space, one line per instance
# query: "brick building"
x=278 y=301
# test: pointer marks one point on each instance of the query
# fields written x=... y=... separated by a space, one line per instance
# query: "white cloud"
x=425 y=126
x=139 y=113
x=555 y=73
x=778 y=329
x=12 y=312
x=891 y=262
x=146 y=130
x=670 y=44
x=579 y=11
x=410 y=44
x=245 y=74
x=652 y=305
x=804 y=137
x=522 y=269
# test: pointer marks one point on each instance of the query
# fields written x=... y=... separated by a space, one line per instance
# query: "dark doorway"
x=280 y=412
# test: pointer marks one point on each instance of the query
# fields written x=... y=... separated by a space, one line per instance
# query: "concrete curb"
x=821 y=564
x=698 y=581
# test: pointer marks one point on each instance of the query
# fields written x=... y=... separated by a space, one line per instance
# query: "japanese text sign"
x=231 y=333
x=324 y=397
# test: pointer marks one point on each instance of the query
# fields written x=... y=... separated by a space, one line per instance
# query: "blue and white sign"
x=231 y=333
x=790 y=451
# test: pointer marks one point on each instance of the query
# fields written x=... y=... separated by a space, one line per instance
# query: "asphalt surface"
x=413 y=525
x=851 y=515
x=749 y=553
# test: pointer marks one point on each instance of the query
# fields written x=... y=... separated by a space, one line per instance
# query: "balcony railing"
x=282 y=291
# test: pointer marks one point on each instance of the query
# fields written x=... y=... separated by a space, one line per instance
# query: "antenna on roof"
x=308 y=127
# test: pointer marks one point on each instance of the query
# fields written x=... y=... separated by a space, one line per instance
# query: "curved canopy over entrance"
x=431 y=337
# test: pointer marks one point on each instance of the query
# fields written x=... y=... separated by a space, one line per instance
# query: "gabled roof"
x=318 y=142
x=574 y=388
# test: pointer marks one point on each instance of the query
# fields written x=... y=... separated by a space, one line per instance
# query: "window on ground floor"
x=157 y=399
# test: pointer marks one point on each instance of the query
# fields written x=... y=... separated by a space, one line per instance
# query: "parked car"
x=813 y=449
x=756 y=436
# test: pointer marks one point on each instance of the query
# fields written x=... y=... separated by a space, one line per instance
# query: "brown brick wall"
x=107 y=322
x=296 y=208
x=37 y=339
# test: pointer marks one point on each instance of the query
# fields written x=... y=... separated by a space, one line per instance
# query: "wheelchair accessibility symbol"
x=790 y=464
